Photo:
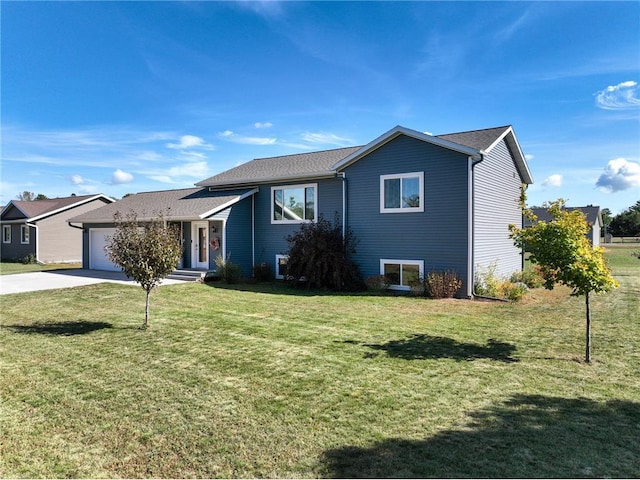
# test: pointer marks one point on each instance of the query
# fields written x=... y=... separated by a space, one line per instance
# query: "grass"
x=263 y=381
x=8 y=268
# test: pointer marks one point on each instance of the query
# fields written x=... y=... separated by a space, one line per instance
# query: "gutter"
x=473 y=161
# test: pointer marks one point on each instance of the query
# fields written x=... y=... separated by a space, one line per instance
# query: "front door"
x=200 y=245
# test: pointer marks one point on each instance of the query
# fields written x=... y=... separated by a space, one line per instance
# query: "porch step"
x=187 y=275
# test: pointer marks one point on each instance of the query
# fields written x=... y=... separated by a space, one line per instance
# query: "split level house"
x=39 y=229
x=414 y=202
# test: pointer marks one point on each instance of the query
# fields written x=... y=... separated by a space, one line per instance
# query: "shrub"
x=487 y=284
x=513 y=291
x=262 y=272
x=29 y=259
x=530 y=277
x=228 y=271
x=442 y=284
x=319 y=257
x=377 y=283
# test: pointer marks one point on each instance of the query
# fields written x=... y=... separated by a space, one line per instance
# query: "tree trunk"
x=587 y=356
x=145 y=325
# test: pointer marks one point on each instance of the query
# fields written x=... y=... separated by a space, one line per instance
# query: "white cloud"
x=528 y=157
x=619 y=174
x=235 y=138
x=554 y=180
x=119 y=177
x=77 y=180
x=619 y=97
x=263 y=124
x=325 y=138
x=190 y=141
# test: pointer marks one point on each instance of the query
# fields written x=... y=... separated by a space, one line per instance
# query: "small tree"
x=146 y=252
x=564 y=255
x=319 y=256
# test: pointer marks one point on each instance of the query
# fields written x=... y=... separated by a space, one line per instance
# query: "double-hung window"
x=24 y=234
x=401 y=273
x=294 y=203
x=402 y=193
x=6 y=234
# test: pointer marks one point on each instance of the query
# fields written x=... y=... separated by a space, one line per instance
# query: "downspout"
x=253 y=232
x=35 y=227
x=473 y=161
x=343 y=176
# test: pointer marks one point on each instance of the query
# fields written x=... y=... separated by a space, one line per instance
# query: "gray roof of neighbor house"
x=184 y=204
x=591 y=212
x=37 y=209
x=328 y=162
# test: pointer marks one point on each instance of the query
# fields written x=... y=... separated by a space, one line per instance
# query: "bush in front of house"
x=228 y=271
x=319 y=257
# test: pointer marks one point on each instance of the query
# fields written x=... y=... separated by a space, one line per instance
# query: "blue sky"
x=123 y=97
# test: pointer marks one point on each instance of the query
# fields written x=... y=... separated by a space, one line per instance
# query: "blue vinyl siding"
x=238 y=237
x=16 y=250
x=438 y=236
x=496 y=193
x=271 y=238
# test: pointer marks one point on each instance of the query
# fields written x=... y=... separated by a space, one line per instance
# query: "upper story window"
x=294 y=203
x=6 y=234
x=24 y=234
x=401 y=193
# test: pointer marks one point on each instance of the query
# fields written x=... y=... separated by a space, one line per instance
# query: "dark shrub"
x=262 y=272
x=319 y=257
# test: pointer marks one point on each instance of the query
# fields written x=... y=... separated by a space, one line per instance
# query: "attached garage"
x=98 y=259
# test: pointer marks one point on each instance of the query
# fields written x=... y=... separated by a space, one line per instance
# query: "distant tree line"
x=27 y=196
x=625 y=224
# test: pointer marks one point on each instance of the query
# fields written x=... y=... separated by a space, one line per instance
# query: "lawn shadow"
x=528 y=436
x=422 y=347
x=64 y=329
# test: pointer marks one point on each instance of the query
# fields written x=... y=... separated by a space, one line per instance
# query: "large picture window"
x=401 y=193
x=401 y=273
x=294 y=203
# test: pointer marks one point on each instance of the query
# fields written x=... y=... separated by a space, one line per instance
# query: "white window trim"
x=23 y=229
x=277 y=268
x=388 y=261
x=6 y=228
x=419 y=175
x=290 y=187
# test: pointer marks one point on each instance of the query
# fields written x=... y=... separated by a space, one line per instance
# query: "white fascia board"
x=10 y=204
x=509 y=136
x=395 y=132
x=228 y=204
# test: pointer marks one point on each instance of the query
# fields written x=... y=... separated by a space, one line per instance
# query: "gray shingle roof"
x=184 y=204
x=478 y=139
x=591 y=212
x=37 y=208
x=301 y=165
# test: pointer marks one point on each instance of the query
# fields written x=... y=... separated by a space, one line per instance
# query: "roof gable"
x=591 y=213
x=38 y=209
x=395 y=132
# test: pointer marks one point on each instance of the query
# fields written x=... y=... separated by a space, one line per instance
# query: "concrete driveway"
x=54 y=279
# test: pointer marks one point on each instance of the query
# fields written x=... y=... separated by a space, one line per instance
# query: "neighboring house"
x=591 y=213
x=39 y=228
x=415 y=203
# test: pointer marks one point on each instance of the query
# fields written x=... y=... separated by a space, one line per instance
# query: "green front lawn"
x=8 y=268
x=263 y=381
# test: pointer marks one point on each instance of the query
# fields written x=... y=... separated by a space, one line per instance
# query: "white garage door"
x=97 y=257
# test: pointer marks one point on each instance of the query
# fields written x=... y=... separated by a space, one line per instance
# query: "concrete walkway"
x=65 y=278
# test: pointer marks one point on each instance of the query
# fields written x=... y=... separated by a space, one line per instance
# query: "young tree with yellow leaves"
x=564 y=254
